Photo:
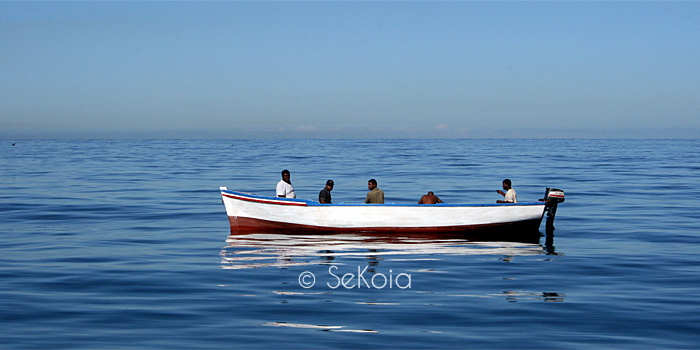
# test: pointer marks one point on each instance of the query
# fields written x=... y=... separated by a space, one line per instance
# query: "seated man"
x=510 y=195
x=284 y=187
x=375 y=195
x=429 y=198
x=325 y=195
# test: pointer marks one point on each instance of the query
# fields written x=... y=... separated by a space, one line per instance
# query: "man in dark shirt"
x=325 y=195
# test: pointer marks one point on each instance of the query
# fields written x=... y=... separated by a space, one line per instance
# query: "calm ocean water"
x=125 y=245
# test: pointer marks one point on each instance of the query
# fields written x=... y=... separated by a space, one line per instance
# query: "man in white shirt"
x=284 y=187
x=510 y=195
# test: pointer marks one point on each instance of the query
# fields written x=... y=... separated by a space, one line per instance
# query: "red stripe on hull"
x=521 y=231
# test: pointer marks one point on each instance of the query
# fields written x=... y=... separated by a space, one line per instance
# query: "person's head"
x=329 y=185
x=507 y=184
x=371 y=184
x=431 y=193
x=286 y=175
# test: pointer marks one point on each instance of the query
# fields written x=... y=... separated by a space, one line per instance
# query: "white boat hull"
x=252 y=213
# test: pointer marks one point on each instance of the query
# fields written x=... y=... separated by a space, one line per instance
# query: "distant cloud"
x=441 y=127
x=309 y=128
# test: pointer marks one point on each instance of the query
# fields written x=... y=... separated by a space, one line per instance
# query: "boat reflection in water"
x=259 y=250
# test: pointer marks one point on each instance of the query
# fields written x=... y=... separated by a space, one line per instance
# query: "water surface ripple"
x=124 y=244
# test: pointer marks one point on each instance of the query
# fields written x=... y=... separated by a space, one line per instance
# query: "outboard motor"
x=553 y=196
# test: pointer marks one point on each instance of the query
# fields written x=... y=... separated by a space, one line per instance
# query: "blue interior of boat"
x=312 y=203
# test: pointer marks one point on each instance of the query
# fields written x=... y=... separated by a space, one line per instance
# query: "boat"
x=251 y=213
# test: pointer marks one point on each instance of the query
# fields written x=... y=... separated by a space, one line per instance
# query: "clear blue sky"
x=349 y=69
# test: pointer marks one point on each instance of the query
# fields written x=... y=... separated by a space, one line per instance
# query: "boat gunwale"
x=249 y=197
